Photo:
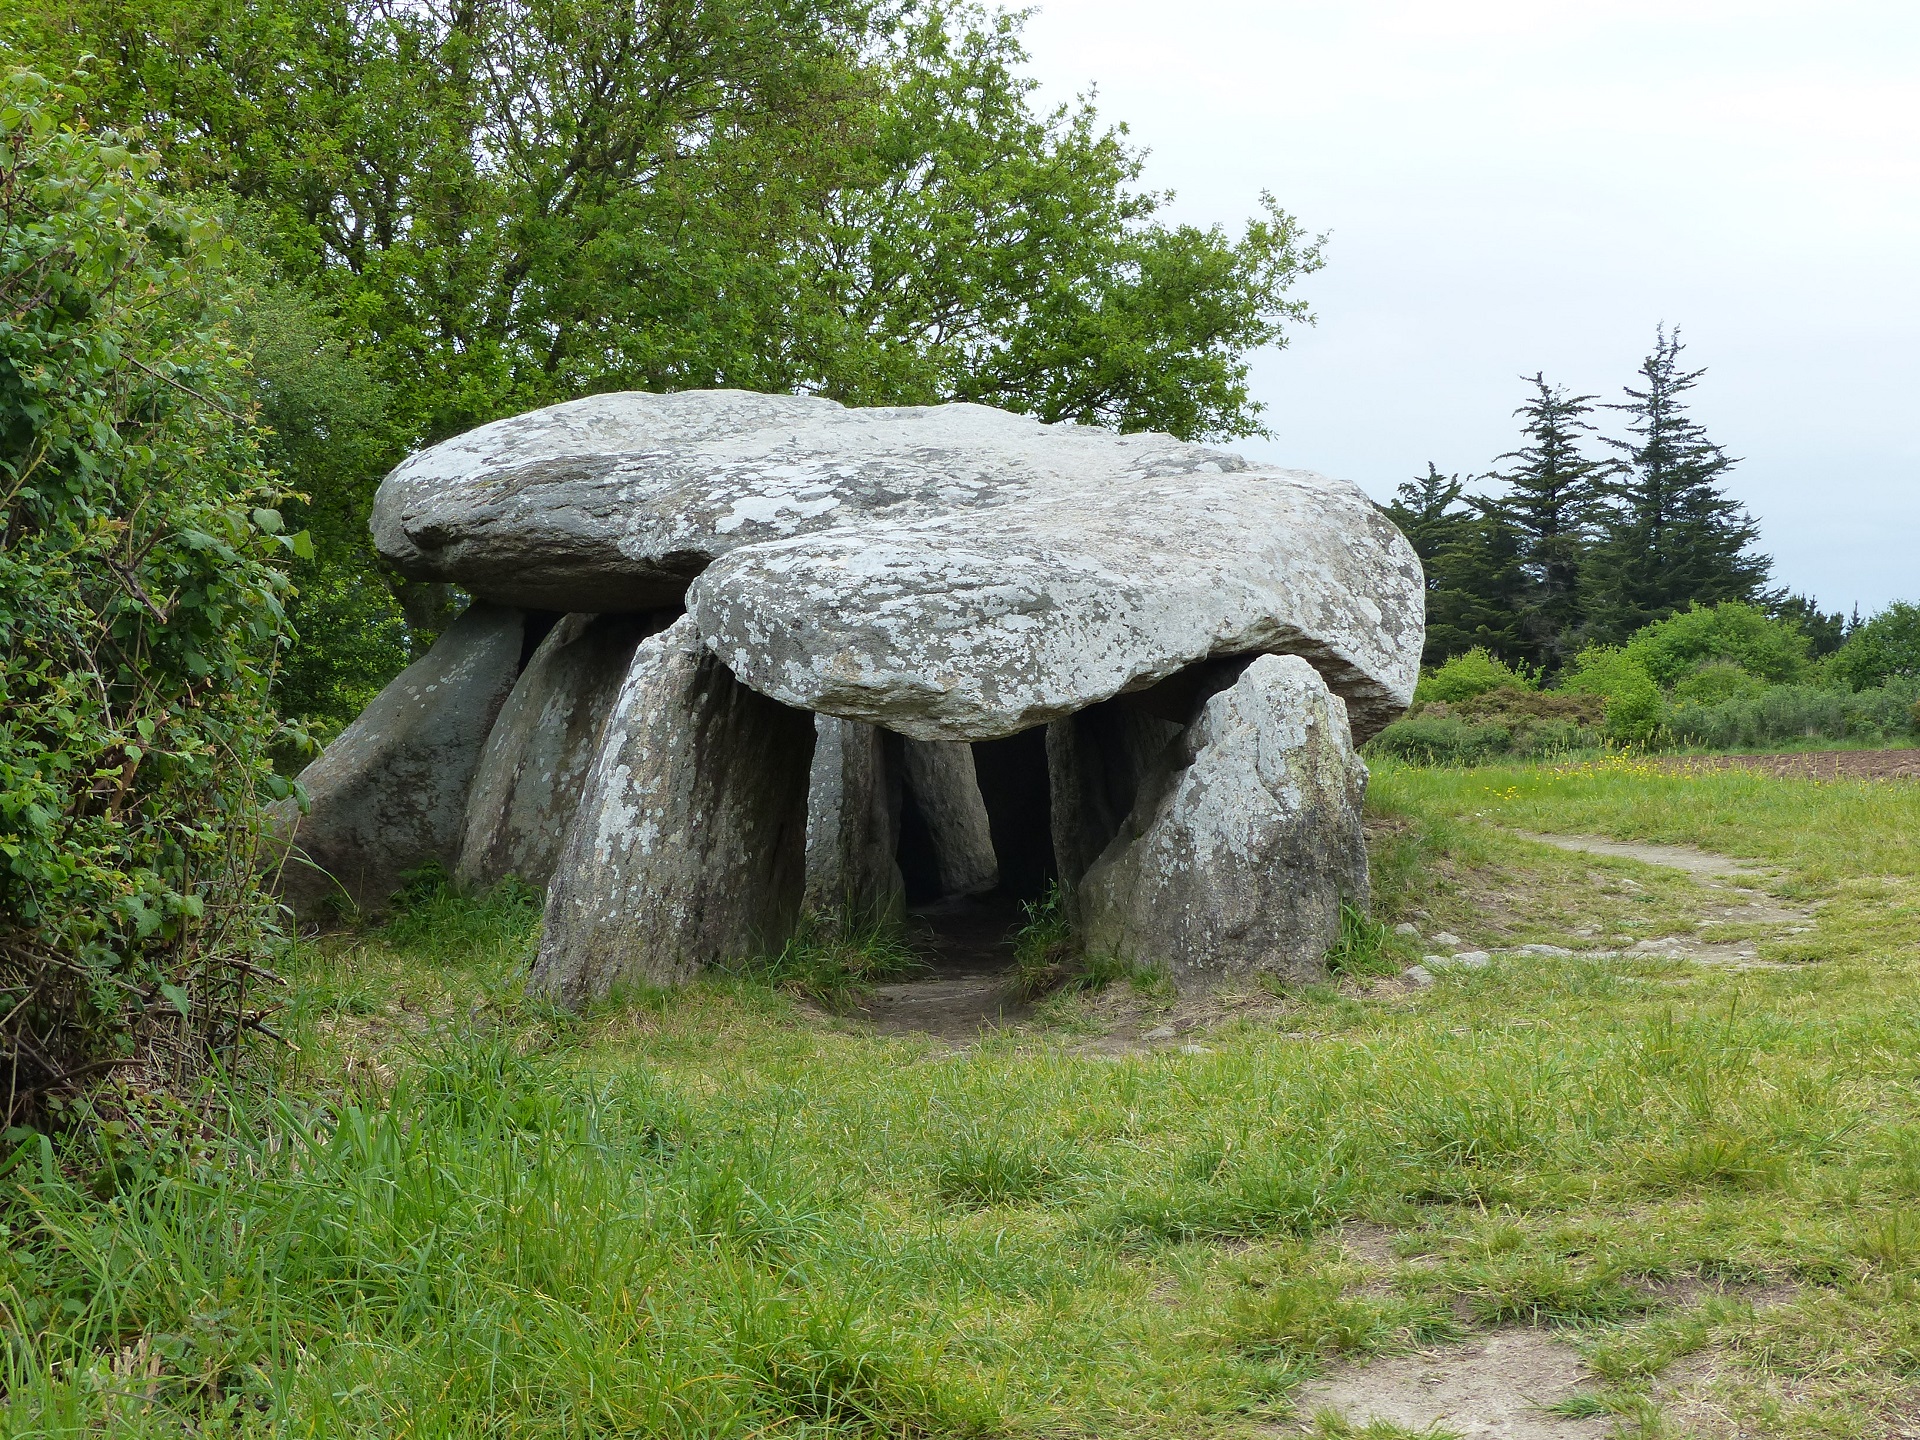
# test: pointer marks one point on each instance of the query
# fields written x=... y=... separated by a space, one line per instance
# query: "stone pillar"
x=389 y=795
x=1095 y=762
x=542 y=746
x=947 y=818
x=853 y=824
x=1243 y=840
x=689 y=845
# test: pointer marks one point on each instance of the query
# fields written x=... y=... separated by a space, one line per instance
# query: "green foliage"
x=1567 y=551
x=1365 y=946
x=1715 y=682
x=1472 y=564
x=1604 y=670
x=1669 y=649
x=1789 y=713
x=326 y=433
x=835 y=959
x=1441 y=740
x=1886 y=647
x=463 y=212
x=1465 y=676
x=141 y=614
x=1635 y=711
x=1549 y=505
x=1670 y=537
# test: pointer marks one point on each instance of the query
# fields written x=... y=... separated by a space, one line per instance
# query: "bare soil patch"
x=968 y=986
x=1814 y=764
x=1674 y=857
x=1494 y=1385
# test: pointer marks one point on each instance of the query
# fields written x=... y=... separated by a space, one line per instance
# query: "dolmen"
x=734 y=658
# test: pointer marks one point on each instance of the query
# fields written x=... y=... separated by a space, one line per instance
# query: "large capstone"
x=947 y=572
x=689 y=845
x=1242 y=842
x=389 y=795
x=542 y=746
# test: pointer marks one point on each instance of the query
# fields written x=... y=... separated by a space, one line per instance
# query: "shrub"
x=1669 y=649
x=1635 y=710
x=1785 y=713
x=1603 y=670
x=1468 y=675
x=1515 y=708
x=1430 y=739
x=1715 y=682
x=139 y=620
x=1886 y=648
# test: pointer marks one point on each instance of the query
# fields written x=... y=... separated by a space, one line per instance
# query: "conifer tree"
x=1469 y=556
x=1549 y=505
x=1671 y=537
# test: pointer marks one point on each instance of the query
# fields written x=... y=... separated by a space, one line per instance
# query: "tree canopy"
x=468 y=208
x=1569 y=550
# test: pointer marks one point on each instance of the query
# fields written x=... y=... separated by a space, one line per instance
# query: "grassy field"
x=727 y=1213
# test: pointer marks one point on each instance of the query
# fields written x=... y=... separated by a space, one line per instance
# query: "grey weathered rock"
x=974 y=626
x=689 y=845
x=940 y=785
x=1095 y=763
x=853 y=824
x=390 y=793
x=951 y=572
x=537 y=757
x=1243 y=841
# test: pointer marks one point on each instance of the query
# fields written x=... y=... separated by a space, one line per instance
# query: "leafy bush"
x=139 y=620
x=1468 y=675
x=1669 y=649
x=1785 y=713
x=1715 y=682
x=1517 y=708
x=1886 y=648
x=1429 y=739
x=1635 y=711
x=1603 y=670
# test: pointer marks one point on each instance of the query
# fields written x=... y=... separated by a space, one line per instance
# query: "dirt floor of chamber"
x=968 y=986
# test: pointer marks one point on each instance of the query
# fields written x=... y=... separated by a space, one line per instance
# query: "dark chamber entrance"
x=1013 y=783
x=967 y=940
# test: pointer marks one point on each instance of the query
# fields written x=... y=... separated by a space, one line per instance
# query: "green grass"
x=456 y=1212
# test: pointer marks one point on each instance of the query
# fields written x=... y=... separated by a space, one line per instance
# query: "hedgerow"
x=141 y=611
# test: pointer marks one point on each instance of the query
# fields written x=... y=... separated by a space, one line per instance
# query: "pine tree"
x=1671 y=537
x=1825 y=633
x=1549 y=505
x=1470 y=562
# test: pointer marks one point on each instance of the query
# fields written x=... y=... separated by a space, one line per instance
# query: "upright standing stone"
x=389 y=795
x=853 y=824
x=689 y=845
x=1095 y=763
x=1243 y=841
x=542 y=746
x=944 y=792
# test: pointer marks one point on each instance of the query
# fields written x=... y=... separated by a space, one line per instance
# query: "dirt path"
x=1732 y=904
x=968 y=986
x=1674 y=857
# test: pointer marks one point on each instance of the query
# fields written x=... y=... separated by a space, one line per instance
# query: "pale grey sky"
x=1512 y=187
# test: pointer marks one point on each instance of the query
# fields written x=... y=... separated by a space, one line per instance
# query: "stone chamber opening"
x=966 y=937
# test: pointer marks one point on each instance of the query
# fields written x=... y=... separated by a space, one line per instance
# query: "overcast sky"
x=1511 y=187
